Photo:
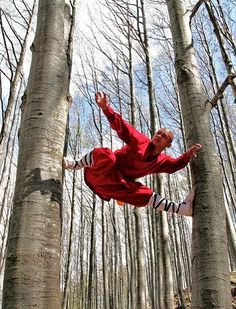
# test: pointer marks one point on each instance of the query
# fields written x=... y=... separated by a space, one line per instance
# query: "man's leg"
x=71 y=164
x=140 y=195
x=184 y=208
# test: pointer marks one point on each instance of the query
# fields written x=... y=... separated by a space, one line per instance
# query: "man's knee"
x=103 y=156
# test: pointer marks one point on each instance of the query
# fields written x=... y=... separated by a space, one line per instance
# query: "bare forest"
x=162 y=63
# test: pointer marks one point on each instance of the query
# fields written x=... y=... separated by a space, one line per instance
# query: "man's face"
x=163 y=138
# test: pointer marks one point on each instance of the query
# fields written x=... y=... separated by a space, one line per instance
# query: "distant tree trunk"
x=167 y=267
x=141 y=275
x=33 y=254
x=15 y=80
x=131 y=283
x=122 y=278
x=180 y=259
x=154 y=122
x=159 y=268
x=91 y=272
x=185 y=242
x=6 y=204
x=217 y=30
x=179 y=271
x=10 y=109
x=211 y=287
x=231 y=235
x=69 y=251
x=82 y=286
x=127 y=268
x=119 y=297
x=104 y=260
x=157 y=273
x=151 y=269
x=222 y=113
x=141 y=296
x=231 y=239
x=111 y=274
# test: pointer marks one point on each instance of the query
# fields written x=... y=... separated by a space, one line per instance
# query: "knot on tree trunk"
x=69 y=100
x=183 y=71
x=183 y=74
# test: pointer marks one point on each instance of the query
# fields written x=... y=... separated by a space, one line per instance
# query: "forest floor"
x=233 y=288
x=187 y=300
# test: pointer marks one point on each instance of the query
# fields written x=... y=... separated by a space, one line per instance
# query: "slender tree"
x=15 y=63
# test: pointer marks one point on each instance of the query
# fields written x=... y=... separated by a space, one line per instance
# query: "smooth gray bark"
x=211 y=287
x=168 y=294
x=33 y=253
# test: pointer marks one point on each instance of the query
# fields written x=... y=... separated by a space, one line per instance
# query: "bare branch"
x=1 y=98
x=4 y=36
x=219 y=93
x=20 y=13
x=19 y=39
x=195 y=8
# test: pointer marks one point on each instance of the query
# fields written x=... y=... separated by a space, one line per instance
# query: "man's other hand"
x=102 y=100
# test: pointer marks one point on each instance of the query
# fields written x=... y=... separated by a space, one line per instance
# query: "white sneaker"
x=69 y=163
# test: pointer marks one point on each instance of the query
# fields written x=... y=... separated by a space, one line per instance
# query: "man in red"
x=113 y=174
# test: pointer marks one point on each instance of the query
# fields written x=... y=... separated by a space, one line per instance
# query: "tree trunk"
x=178 y=266
x=222 y=114
x=141 y=296
x=160 y=272
x=226 y=59
x=151 y=269
x=104 y=260
x=69 y=252
x=91 y=271
x=82 y=286
x=231 y=235
x=185 y=240
x=15 y=81
x=131 y=283
x=141 y=287
x=33 y=254
x=211 y=287
x=167 y=267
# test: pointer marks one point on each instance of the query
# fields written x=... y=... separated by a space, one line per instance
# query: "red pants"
x=106 y=180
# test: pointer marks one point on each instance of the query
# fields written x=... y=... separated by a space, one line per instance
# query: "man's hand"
x=102 y=100
x=192 y=151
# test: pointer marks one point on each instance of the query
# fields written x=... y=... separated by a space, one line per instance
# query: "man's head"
x=162 y=139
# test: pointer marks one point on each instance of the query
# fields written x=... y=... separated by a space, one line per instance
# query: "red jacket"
x=113 y=174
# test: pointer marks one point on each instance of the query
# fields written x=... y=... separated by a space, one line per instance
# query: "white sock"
x=162 y=204
x=86 y=161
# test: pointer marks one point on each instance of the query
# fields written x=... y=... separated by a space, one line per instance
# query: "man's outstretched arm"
x=172 y=165
x=125 y=131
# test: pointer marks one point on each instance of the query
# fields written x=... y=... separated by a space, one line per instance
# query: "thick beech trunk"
x=210 y=260
x=33 y=253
